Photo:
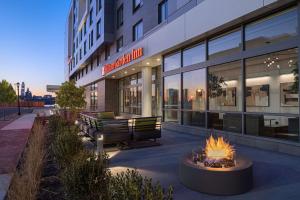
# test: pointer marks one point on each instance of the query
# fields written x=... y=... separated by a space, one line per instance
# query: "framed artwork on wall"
x=257 y=95
x=228 y=97
x=288 y=97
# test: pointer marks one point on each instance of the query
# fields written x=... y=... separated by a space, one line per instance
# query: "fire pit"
x=216 y=169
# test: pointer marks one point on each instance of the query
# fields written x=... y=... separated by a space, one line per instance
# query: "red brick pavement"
x=12 y=143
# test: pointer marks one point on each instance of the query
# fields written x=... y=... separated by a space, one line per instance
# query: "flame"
x=217 y=149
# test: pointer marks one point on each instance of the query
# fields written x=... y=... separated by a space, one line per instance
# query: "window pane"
x=172 y=62
x=194 y=90
x=275 y=28
x=194 y=118
x=194 y=55
x=231 y=122
x=280 y=127
x=224 y=87
x=224 y=45
x=171 y=116
x=271 y=84
x=172 y=92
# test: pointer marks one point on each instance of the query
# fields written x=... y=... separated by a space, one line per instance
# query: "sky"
x=32 y=42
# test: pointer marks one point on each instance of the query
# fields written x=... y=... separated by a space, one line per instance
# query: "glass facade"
x=224 y=45
x=172 y=61
x=130 y=95
x=275 y=28
x=194 y=97
x=93 y=96
x=172 y=97
x=247 y=91
x=194 y=55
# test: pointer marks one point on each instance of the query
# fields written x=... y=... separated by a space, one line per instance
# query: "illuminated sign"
x=126 y=58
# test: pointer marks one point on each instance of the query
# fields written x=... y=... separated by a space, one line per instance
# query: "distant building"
x=22 y=90
x=28 y=95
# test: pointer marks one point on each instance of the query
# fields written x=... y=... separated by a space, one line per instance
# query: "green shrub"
x=130 y=185
x=56 y=123
x=87 y=177
x=66 y=144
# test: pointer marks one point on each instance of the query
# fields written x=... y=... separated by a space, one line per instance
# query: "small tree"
x=7 y=92
x=70 y=97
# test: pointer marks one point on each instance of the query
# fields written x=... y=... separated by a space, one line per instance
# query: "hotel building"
x=229 y=65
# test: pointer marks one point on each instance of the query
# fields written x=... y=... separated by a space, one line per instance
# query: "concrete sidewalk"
x=13 y=139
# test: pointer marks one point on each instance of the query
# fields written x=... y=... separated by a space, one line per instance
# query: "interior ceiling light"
x=148 y=63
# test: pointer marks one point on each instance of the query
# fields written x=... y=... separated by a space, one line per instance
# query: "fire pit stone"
x=216 y=169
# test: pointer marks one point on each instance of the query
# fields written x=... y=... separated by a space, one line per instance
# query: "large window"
x=225 y=87
x=136 y=4
x=130 y=93
x=93 y=96
x=99 y=28
x=91 y=16
x=194 y=97
x=272 y=29
x=120 y=16
x=172 y=97
x=120 y=44
x=138 y=30
x=225 y=99
x=271 y=84
x=172 y=61
x=194 y=55
x=224 y=45
x=162 y=11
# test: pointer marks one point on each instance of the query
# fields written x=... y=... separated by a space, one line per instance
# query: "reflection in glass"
x=193 y=118
x=275 y=28
x=171 y=116
x=224 y=87
x=172 y=92
x=194 y=55
x=280 y=127
x=271 y=84
x=224 y=45
x=231 y=122
x=194 y=90
x=172 y=62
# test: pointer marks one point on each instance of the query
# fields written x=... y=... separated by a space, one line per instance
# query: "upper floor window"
x=84 y=28
x=120 y=44
x=92 y=38
x=120 y=16
x=137 y=4
x=162 y=11
x=80 y=35
x=138 y=30
x=84 y=47
x=91 y=16
x=107 y=52
x=275 y=28
x=99 y=4
x=99 y=28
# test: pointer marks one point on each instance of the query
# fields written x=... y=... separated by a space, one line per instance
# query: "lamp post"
x=18 y=86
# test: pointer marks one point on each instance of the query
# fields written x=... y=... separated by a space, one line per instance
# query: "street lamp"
x=18 y=86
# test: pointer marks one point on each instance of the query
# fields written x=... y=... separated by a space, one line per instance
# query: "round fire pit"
x=217 y=181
